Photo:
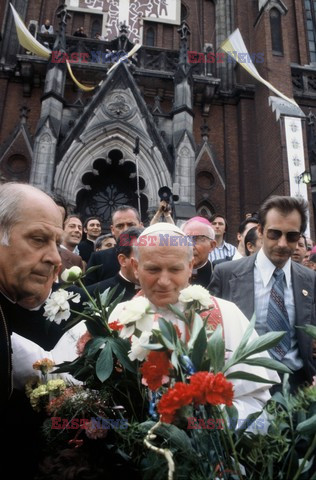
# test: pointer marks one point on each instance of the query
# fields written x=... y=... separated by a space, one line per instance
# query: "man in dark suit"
x=30 y=232
x=125 y=279
x=248 y=282
x=123 y=217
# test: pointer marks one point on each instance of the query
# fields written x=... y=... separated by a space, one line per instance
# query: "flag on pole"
x=235 y=45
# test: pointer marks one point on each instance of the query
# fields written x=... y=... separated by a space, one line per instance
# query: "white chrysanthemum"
x=137 y=351
x=57 y=307
x=196 y=293
x=71 y=274
x=136 y=316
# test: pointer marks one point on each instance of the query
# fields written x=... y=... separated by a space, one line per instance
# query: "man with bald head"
x=203 y=239
x=163 y=262
x=30 y=233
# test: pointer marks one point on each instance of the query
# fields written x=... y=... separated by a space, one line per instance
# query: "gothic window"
x=310 y=12
x=184 y=12
x=276 y=31
x=150 y=37
x=112 y=183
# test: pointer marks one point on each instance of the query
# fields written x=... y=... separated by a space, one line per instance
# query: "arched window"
x=276 y=31
x=150 y=37
x=96 y=27
x=310 y=11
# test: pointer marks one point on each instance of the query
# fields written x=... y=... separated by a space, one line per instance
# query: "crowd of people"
x=269 y=274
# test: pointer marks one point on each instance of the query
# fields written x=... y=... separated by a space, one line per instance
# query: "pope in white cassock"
x=163 y=267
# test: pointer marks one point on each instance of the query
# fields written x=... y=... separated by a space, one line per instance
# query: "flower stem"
x=307 y=455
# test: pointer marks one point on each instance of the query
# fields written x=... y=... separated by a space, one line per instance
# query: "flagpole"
x=136 y=152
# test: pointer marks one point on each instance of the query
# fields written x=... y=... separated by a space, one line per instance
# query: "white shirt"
x=263 y=281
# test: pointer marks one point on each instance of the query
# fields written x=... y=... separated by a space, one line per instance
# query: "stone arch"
x=96 y=143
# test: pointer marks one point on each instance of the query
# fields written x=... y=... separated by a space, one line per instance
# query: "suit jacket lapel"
x=242 y=286
x=303 y=292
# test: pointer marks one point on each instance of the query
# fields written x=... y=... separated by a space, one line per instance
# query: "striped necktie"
x=277 y=318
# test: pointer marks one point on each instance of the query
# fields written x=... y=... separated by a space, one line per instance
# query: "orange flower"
x=155 y=370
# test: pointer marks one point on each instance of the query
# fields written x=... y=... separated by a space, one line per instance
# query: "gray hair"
x=184 y=240
x=11 y=199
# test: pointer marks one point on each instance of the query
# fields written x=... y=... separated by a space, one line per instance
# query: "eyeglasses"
x=200 y=238
x=291 y=237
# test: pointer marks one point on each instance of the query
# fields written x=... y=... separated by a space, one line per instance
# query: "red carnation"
x=156 y=369
x=176 y=397
x=209 y=388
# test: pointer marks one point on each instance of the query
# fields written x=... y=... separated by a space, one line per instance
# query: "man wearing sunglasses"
x=275 y=289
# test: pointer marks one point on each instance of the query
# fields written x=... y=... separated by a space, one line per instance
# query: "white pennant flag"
x=233 y=46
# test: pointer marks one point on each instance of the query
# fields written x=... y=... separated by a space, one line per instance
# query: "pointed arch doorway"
x=112 y=183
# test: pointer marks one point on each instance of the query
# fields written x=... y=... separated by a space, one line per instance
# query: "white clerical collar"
x=195 y=270
x=266 y=268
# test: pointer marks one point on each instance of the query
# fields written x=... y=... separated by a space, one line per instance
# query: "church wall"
x=14 y=100
x=244 y=135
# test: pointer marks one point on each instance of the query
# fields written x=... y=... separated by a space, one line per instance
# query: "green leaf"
x=166 y=329
x=309 y=329
x=115 y=302
x=308 y=426
x=178 y=313
x=104 y=365
x=248 y=376
x=95 y=345
x=199 y=349
x=121 y=347
x=216 y=349
x=152 y=346
x=242 y=345
x=260 y=344
x=269 y=363
x=248 y=422
x=198 y=324
x=109 y=295
x=231 y=412
x=174 y=360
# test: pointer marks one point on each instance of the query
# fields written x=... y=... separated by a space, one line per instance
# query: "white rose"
x=196 y=293
x=137 y=351
x=71 y=274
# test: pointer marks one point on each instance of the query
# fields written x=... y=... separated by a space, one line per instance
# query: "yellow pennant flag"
x=26 y=39
x=235 y=45
x=80 y=85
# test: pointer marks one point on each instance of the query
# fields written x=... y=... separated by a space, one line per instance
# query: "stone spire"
x=48 y=127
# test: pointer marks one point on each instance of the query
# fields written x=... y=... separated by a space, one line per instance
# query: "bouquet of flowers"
x=169 y=381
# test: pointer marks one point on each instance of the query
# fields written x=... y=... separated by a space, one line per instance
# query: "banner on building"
x=131 y=12
x=295 y=157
